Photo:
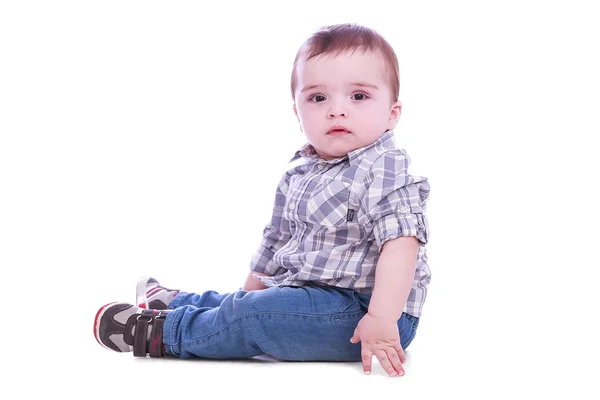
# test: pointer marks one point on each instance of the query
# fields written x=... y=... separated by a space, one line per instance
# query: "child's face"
x=349 y=92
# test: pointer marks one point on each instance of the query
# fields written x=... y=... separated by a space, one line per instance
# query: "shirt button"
x=404 y=209
x=294 y=243
x=292 y=206
x=320 y=166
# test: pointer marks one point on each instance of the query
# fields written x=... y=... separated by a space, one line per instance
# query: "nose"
x=336 y=113
x=337 y=110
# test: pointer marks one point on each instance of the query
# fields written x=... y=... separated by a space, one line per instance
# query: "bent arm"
x=252 y=283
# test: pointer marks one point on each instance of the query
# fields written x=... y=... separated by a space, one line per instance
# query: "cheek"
x=306 y=118
x=374 y=123
x=379 y=115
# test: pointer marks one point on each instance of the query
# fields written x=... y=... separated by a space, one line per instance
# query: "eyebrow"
x=359 y=84
x=364 y=84
x=309 y=87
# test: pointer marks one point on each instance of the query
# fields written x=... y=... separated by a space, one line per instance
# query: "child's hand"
x=380 y=337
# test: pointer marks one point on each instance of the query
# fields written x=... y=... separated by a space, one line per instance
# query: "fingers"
x=400 y=351
x=390 y=362
x=390 y=358
x=393 y=363
x=367 y=360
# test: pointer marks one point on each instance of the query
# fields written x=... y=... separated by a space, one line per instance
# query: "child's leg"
x=209 y=299
x=151 y=295
x=308 y=323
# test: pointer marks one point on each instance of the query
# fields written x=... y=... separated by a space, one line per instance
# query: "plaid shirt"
x=331 y=219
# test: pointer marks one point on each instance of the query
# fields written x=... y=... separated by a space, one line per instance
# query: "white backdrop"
x=147 y=138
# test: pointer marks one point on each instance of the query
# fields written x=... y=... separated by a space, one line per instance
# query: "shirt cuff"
x=263 y=262
x=400 y=224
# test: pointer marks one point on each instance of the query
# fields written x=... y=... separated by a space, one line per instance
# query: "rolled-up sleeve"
x=275 y=235
x=393 y=202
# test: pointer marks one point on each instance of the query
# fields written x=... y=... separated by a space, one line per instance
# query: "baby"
x=341 y=272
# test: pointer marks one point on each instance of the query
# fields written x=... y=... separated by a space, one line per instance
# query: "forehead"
x=343 y=67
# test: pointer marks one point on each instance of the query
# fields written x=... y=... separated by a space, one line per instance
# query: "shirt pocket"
x=329 y=204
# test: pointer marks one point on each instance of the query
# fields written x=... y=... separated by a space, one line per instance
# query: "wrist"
x=252 y=283
x=383 y=308
x=384 y=317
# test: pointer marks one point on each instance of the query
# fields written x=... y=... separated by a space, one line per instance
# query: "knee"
x=248 y=302
x=266 y=301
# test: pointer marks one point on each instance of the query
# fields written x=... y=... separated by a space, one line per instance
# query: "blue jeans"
x=310 y=323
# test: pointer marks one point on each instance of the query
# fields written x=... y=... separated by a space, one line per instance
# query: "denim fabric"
x=310 y=323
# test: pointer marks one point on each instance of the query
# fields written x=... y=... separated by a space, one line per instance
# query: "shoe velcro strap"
x=155 y=346
x=138 y=324
x=140 y=337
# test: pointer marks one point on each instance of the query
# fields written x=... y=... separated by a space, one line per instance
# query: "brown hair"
x=336 y=39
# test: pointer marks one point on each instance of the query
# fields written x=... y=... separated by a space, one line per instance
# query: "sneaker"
x=124 y=327
x=150 y=295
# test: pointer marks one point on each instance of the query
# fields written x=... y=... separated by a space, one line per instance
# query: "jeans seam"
x=414 y=321
x=262 y=313
x=411 y=337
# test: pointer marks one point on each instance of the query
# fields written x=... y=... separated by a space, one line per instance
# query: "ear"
x=394 y=115
x=297 y=116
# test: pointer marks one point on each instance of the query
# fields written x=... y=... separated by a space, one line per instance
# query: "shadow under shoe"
x=124 y=327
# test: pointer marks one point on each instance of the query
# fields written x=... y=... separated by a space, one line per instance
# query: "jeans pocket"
x=349 y=303
x=346 y=307
x=414 y=321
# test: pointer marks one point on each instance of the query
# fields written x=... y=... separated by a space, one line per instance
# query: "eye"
x=359 y=96
x=317 y=98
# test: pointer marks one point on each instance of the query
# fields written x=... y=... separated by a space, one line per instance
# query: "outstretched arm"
x=378 y=329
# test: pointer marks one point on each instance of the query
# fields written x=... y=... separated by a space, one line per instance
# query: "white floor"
x=51 y=351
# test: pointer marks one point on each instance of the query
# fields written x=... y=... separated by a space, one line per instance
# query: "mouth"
x=338 y=131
